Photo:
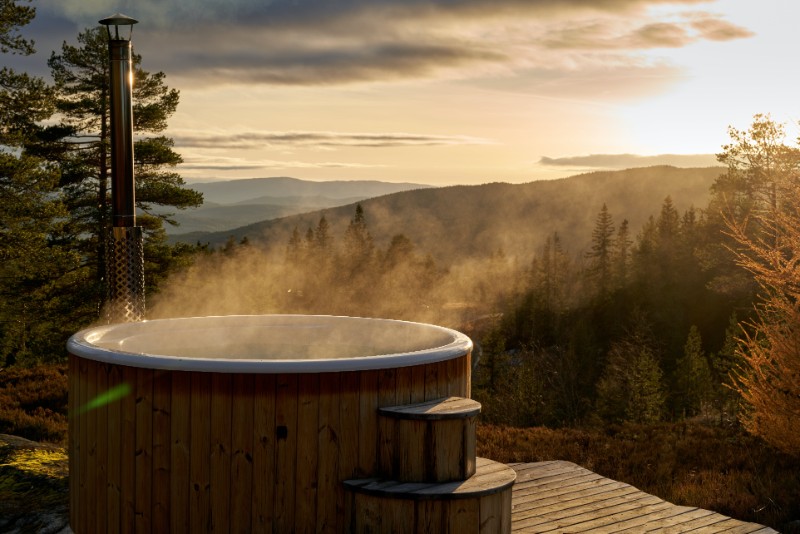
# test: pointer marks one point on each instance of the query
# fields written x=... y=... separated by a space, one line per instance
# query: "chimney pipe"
x=125 y=250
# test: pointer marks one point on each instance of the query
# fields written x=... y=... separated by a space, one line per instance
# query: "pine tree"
x=79 y=143
x=600 y=256
x=693 y=377
x=39 y=302
x=630 y=387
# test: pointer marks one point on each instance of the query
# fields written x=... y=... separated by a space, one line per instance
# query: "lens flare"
x=112 y=395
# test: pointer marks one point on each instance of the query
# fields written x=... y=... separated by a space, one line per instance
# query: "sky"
x=447 y=92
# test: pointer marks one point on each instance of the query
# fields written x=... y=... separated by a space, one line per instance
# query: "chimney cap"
x=117 y=20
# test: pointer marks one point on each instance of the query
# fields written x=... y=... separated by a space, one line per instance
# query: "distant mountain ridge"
x=459 y=222
x=235 y=203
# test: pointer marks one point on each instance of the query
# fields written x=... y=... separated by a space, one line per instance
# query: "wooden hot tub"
x=240 y=423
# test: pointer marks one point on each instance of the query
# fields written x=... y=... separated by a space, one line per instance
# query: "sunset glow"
x=453 y=92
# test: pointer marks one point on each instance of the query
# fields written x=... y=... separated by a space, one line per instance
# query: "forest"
x=692 y=317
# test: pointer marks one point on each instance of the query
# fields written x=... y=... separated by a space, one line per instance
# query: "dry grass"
x=692 y=464
x=33 y=402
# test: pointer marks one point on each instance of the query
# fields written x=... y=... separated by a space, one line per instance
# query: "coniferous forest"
x=681 y=333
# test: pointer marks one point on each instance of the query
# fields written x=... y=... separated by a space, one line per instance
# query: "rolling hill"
x=235 y=203
x=458 y=222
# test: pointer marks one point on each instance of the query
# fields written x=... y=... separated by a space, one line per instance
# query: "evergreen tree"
x=80 y=144
x=38 y=301
x=693 y=377
x=600 y=256
x=358 y=245
x=630 y=388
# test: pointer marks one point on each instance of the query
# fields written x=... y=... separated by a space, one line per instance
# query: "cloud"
x=715 y=29
x=258 y=140
x=626 y=161
x=196 y=162
x=313 y=43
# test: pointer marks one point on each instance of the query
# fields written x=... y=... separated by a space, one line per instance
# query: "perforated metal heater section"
x=125 y=275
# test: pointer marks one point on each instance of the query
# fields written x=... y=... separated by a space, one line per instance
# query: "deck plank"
x=558 y=496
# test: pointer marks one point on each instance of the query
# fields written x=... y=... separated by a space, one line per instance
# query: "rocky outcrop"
x=34 y=491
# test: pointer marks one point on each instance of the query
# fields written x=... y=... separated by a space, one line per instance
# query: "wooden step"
x=444 y=408
x=481 y=504
x=431 y=441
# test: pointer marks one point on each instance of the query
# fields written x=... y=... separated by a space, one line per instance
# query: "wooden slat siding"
x=432 y=386
x=72 y=431
x=328 y=439
x=349 y=383
x=144 y=450
x=180 y=451
x=418 y=383
x=101 y=456
x=403 y=385
x=491 y=514
x=127 y=474
x=162 y=397
x=220 y=452
x=114 y=442
x=242 y=447
x=431 y=517
x=448 y=452
x=464 y=515
x=286 y=451
x=263 y=453
x=75 y=421
x=200 y=449
x=368 y=423
x=409 y=451
x=387 y=396
x=91 y=444
x=307 y=452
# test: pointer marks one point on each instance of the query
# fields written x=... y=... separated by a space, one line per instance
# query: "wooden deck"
x=563 y=497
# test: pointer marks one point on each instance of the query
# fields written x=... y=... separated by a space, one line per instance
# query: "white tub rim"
x=83 y=344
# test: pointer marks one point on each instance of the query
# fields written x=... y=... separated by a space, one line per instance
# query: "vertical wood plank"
x=73 y=422
x=91 y=491
x=329 y=451
x=505 y=511
x=180 y=451
x=417 y=383
x=200 y=496
x=144 y=450
x=285 y=451
x=387 y=396
x=242 y=459
x=127 y=473
x=491 y=510
x=468 y=375
x=162 y=397
x=114 y=444
x=403 y=391
x=220 y=452
x=368 y=423
x=263 y=453
x=430 y=516
x=307 y=450
x=431 y=381
x=101 y=474
x=464 y=515
x=349 y=385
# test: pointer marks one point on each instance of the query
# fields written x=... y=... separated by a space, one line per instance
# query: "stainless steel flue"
x=125 y=251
